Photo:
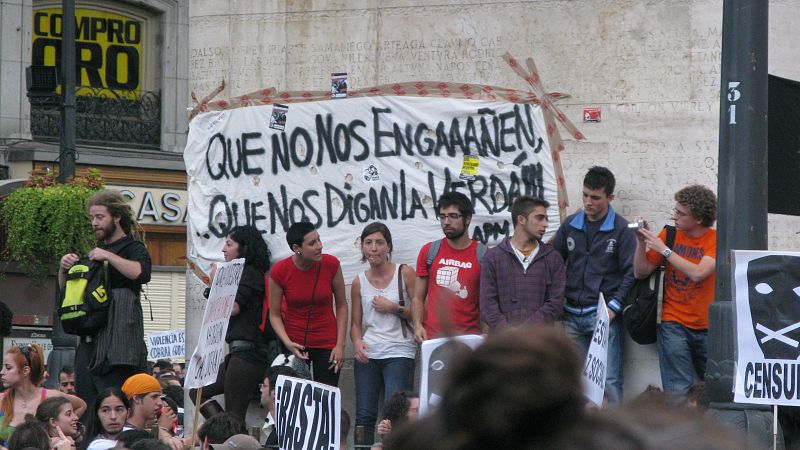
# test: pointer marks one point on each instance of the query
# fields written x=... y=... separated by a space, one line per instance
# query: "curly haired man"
x=689 y=283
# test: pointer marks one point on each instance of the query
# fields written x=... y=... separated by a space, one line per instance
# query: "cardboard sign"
x=166 y=345
x=342 y=164
x=767 y=295
x=436 y=355
x=308 y=414
x=210 y=349
x=595 y=367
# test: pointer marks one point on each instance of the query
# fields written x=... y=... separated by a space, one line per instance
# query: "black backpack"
x=643 y=302
x=85 y=298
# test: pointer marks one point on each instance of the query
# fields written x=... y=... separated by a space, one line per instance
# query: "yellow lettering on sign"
x=108 y=47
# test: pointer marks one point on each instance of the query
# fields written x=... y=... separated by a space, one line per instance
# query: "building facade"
x=131 y=117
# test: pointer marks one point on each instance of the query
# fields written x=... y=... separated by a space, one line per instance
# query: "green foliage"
x=46 y=220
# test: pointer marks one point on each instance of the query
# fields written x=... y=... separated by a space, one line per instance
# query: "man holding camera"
x=597 y=246
x=689 y=284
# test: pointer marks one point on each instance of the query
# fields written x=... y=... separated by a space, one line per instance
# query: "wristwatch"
x=400 y=310
x=667 y=253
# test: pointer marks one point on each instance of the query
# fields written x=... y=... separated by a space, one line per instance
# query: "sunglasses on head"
x=25 y=349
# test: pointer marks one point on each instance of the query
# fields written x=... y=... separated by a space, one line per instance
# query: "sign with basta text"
x=308 y=414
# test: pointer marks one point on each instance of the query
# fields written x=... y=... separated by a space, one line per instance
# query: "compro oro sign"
x=108 y=46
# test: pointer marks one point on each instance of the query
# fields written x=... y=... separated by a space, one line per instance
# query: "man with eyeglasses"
x=449 y=277
x=689 y=283
x=268 y=401
x=598 y=248
x=66 y=380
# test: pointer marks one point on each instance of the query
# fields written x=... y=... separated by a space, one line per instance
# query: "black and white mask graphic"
x=441 y=359
x=773 y=284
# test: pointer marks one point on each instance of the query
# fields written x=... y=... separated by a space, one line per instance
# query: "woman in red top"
x=310 y=284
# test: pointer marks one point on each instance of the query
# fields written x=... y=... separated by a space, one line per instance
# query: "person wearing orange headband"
x=148 y=411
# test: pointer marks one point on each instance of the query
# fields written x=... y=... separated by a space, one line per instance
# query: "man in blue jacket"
x=598 y=249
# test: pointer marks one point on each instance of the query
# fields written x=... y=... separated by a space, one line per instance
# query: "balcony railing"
x=103 y=117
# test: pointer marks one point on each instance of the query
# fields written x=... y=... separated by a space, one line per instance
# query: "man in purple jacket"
x=522 y=278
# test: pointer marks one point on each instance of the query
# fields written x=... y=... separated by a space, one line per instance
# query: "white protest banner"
x=207 y=356
x=344 y=163
x=308 y=414
x=166 y=345
x=594 y=369
x=436 y=355
x=767 y=296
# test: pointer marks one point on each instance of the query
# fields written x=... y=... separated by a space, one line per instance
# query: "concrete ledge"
x=101 y=156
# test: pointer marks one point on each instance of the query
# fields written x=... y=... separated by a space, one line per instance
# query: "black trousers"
x=319 y=359
x=87 y=384
x=238 y=380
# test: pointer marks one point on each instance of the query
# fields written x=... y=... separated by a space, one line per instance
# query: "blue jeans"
x=395 y=374
x=580 y=329
x=681 y=356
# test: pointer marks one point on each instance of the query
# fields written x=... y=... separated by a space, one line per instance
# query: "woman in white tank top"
x=381 y=326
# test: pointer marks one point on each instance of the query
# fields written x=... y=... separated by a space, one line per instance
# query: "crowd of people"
x=298 y=307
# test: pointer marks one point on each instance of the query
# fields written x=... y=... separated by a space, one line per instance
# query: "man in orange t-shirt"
x=689 y=284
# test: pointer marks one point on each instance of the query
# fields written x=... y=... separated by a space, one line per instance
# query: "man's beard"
x=107 y=232
x=455 y=234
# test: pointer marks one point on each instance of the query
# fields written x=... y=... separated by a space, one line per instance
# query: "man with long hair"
x=118 y=350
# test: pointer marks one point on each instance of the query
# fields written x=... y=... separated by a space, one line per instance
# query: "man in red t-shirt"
x=452 y=283
x=689 y=284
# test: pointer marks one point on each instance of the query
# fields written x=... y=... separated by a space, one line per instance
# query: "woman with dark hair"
x=23 y=368
x=56 y=413
x=108 y=417
x=310 y=283
x=379 y=328
x=250 y=350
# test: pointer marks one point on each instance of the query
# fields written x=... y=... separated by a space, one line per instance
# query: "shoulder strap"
x=671 y=232
x=481 y=251
x=400 y=284
x=402 y=301
x=432 y=252
x=311 y=306
x=265 y=306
